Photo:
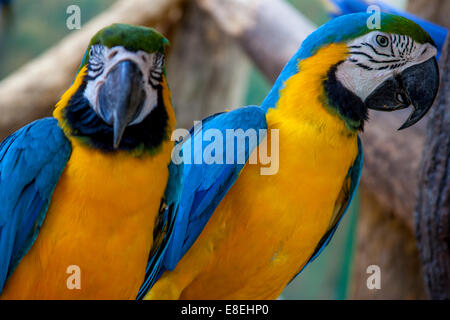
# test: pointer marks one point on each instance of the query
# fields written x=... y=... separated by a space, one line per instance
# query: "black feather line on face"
x=348 y=105
x=374 y=50
x=87 y=125
x=392 y=49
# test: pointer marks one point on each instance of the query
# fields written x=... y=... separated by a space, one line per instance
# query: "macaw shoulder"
x=37 y=154
x=31 y=162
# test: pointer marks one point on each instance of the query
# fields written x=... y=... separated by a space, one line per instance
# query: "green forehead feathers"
x=132 y=38
x=399 y=25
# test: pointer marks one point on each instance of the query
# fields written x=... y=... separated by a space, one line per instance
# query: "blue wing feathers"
x=205 y=185
x=196 y=189
x=171 y=200
x=31 y=162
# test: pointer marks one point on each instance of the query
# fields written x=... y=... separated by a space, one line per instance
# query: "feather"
x=342 y=204
x=31 y=162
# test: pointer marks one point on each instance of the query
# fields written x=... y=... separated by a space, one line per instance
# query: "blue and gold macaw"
x=85 y=188
x=240 y=234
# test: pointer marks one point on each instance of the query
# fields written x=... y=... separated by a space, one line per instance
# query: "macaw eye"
x=382 y=41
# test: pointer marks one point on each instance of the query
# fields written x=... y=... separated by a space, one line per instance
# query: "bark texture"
x=432 y=223
x=384 y=241
x=433 y=10
x=207 y=71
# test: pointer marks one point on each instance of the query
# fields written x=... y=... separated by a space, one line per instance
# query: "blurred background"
x=211 y=67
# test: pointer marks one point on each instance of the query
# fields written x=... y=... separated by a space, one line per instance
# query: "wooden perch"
x=432 y=216
x=431 y=10
x=391 y=157
x=269 y=31
x=207 y=71
x=32 y=91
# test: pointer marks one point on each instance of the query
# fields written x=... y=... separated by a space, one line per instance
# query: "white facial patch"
x=377 y=56
x=102 y=60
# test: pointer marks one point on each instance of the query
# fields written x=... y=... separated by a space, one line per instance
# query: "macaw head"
x=125 y=71
x=392 y=68
x=389 y=68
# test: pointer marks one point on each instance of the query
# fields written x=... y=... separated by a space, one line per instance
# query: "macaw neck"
x=79 y=121
x=308 y=91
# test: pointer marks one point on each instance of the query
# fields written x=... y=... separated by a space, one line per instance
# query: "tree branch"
x=432 y=221
x=269 y=31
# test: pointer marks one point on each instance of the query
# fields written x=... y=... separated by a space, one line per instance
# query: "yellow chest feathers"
x=112 y=184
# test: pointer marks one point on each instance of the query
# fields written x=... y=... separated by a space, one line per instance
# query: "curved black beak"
x=121 y=97
x=416 y=86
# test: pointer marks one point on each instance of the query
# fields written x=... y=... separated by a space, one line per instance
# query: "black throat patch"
x=348 y=105
x=85 y=124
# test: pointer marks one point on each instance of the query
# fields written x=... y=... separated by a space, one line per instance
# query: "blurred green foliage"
x=33 y=26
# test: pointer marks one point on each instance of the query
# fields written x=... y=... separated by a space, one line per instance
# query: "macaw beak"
x=121 y=97
x=416 y=86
